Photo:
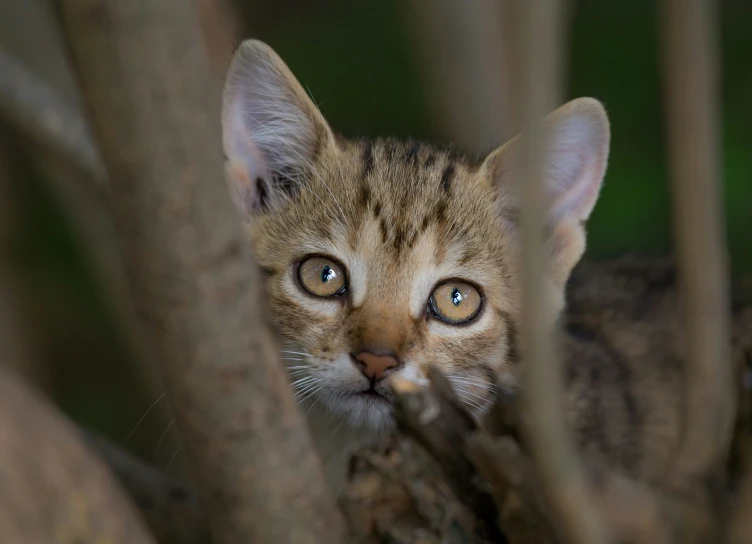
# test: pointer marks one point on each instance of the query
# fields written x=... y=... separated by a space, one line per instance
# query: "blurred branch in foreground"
x=693 y=113
x=562 y=474
x=155 y=109
x=470 y=56
x=468 y=69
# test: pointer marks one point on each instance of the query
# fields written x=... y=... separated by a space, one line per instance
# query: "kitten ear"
x=576 y=138
x=272 y=131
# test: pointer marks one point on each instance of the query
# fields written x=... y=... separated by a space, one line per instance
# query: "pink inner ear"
x=578 y=190
x=246 y=163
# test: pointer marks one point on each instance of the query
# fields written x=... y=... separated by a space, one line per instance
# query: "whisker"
x=312 y=405
x=466 y=392
x=468 y=377
x=162 y=436
x=292 y=359
x=488 y=386
x=471 y=380
x=471 y=402
x=297 y=367
x=143 y=417
x=310 y=393
x=312 y=97
x=294 y=352
x=305 y=389
x=173 y=457
x=298 y=383
x=334 y=432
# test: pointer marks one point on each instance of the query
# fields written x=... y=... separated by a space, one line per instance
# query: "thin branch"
x=692 y=105
x=155 y=109
x=561 y=472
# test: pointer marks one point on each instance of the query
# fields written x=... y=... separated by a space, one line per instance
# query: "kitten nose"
x=376 y=367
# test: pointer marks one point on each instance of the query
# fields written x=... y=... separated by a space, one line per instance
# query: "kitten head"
x=385 y=257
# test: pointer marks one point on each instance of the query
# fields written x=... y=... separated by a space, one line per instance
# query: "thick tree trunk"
x=155 y=110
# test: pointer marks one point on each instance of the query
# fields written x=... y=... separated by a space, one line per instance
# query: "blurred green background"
x=358 y=60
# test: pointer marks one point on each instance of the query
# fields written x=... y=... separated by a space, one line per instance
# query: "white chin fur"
x=374 y=414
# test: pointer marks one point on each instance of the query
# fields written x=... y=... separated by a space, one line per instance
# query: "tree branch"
x=468 y=69
x=438 y=422
x=691 y=100
x=155 y=109
x=561 y=472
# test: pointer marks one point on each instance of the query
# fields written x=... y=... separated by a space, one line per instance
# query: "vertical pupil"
x=456 y=297
x=326 y=273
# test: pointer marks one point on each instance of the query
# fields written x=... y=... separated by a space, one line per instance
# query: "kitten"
x=385 y=256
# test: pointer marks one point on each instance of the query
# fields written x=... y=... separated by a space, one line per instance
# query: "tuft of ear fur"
x=576 y=138
x=272 y=131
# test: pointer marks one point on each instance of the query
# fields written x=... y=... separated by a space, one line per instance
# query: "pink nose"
x=376 y=367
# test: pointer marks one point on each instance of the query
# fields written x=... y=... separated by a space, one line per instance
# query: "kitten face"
x=384 y=256
x=398 y=221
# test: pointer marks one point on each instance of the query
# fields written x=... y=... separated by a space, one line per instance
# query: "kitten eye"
x=322 y=277
x=455 y=302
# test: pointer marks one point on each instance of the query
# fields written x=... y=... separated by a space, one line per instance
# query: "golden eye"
x=455 y=302
x=322 y=277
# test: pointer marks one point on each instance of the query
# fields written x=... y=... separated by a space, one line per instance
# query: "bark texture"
x=155 y=107
x=562 y=473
